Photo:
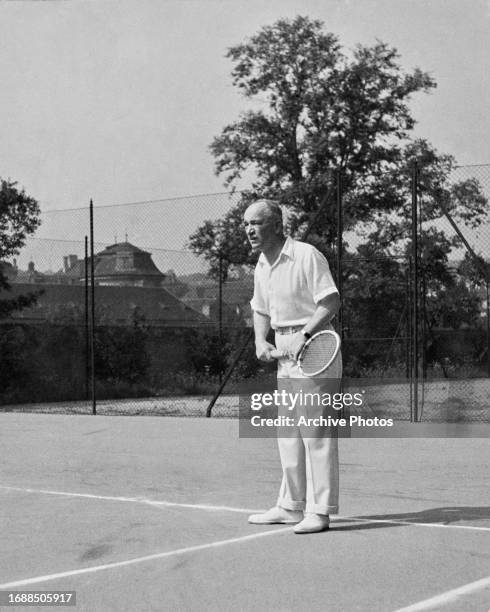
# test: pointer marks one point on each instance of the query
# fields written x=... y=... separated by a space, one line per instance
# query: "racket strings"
x=319 y=352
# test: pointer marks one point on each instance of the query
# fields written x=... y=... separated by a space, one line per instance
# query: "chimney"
x=65 y=264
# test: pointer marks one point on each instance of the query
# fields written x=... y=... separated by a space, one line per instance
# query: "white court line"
x=209 y=508
x=162 y=555
x=448 y=596
x=136 y=500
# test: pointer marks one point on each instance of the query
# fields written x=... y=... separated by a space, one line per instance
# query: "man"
x=294 y=293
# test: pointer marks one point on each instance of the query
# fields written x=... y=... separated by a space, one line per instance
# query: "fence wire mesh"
x=376 y=338
x=166 y=331
x=455 y=334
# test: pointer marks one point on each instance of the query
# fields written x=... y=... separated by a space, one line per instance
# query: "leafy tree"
x=319 y=113
x=19 y=217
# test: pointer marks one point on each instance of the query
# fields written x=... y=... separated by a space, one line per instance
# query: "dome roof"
x=121 y=247
x=125 y=259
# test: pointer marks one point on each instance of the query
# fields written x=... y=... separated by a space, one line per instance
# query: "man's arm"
x=262 y=325
x=325 y=311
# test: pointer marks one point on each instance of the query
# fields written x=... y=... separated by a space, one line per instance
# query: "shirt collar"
x=287 y=249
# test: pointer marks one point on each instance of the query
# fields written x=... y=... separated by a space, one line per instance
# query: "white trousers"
x=309 y=455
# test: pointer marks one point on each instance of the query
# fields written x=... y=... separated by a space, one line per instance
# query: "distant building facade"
x=119 y=265
x=163 y=299
x=128 y=284
x=114 y=306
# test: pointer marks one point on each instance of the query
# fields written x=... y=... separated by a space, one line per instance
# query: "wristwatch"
x=306 y=334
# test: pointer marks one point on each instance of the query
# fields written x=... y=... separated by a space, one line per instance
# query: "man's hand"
x=263 y=350
x=296 y=344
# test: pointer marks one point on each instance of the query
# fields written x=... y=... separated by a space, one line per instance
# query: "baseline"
x=211 y=508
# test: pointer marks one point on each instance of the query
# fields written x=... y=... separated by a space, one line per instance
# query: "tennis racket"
x=317 y=354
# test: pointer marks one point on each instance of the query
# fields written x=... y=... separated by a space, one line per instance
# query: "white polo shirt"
x=289 y=290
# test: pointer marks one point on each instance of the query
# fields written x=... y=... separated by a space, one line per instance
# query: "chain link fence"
x=376 y=333
x=445 y=377
x=166 y=331
x=454 y=381
x=164 y=328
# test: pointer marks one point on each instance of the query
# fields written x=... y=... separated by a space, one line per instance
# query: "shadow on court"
x=444 y=516
x=434 y=516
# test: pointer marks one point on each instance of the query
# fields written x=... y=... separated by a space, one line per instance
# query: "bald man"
x=295 y=295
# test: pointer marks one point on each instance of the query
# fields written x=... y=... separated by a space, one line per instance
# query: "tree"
x=19 y=217
x=318 y=114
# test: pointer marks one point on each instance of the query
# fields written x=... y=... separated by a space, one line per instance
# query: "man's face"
x=260 y=228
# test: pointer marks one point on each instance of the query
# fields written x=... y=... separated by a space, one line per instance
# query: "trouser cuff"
x=317 y=509
x=289 y=504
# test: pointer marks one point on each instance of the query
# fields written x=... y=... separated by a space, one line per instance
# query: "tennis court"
x=150 y=513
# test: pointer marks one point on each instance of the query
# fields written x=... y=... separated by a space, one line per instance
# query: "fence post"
x=340 y=230
x=220 y=308
x=92 y=308
x=423 y=304
x=415 y=309
x=408 y=329
x=87 y=327
x=488 y=327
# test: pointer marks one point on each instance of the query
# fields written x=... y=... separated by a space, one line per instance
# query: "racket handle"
x=276 y=354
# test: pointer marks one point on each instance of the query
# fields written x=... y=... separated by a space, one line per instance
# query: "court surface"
x=150 y=513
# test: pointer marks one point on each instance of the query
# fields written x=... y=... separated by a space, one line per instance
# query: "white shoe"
x=276 y=515
x=313 y=523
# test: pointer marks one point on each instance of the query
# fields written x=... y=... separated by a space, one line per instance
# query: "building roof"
x=114 y=305
x=119 y=247
x=121 y=259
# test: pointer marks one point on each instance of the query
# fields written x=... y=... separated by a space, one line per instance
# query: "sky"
x=119 y=100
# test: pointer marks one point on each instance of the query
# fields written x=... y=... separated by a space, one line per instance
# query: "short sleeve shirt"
x=289 y=290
